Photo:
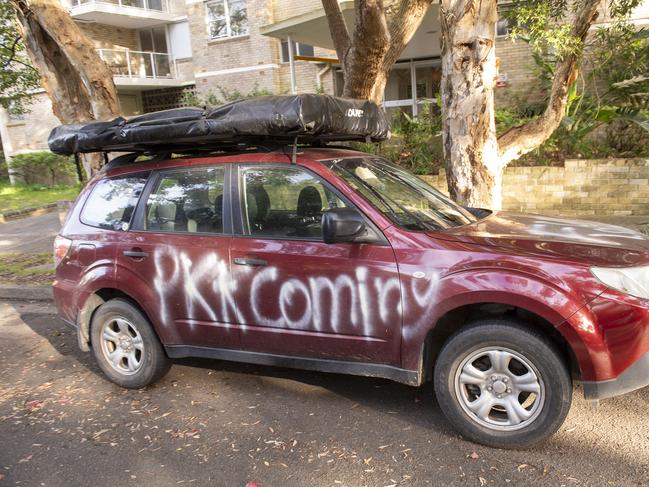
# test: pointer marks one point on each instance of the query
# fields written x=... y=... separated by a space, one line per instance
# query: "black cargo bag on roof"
x=267 y=118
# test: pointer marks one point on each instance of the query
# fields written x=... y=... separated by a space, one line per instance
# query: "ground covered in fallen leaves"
x=224 y=424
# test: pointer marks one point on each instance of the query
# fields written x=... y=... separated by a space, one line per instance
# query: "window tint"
x=188 y=201
x=112 y=201
x=282 y=202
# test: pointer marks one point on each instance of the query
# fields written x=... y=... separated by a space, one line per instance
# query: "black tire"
x=152 y=363
x=498 y=336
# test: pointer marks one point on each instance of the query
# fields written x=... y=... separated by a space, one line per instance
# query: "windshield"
x=402 y=197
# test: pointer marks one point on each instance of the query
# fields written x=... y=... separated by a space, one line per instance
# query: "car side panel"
x=89 y=264
x=186 y=284
x=459 y=275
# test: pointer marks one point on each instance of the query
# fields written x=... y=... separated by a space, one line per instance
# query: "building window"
x=502 y=27
x=227 y=18
x=299 y=49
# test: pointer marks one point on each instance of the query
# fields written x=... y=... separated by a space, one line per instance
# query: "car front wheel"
x=125 y=345
x=502 y=384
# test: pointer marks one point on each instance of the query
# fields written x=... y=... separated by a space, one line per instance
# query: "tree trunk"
x=473 y=168
x=474 y=157
x=78 y=82
x=367 y=56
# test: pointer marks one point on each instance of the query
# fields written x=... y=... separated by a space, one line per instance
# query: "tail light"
x=61 y=248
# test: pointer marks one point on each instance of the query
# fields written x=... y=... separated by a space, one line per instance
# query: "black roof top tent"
x=262 y=121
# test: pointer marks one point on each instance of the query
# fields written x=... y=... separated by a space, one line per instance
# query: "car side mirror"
x=345 y=225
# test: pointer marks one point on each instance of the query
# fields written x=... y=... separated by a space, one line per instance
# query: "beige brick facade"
x=111 y=37
x=517 y=64
x=253 y=62
x=583 y=187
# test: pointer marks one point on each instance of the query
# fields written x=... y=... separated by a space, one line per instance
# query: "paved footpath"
x=222 y=424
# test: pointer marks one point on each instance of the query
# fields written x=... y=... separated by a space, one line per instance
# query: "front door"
x=297 y=295
x=179 y=250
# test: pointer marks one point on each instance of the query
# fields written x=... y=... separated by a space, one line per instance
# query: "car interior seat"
x=258 y=206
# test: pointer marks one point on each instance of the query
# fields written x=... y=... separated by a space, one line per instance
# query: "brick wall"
x=583 y=187
x=517 y=63
x=233 y=53
x=110 y=37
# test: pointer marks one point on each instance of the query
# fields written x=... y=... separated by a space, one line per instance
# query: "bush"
x=44 y=168
x=223 y=95
x=416 y=142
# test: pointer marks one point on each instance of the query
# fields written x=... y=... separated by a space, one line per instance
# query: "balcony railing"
x=139 y=64
x=157 y=5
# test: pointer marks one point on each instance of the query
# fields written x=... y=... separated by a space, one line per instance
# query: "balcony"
x=140 y=69
x=131 y=14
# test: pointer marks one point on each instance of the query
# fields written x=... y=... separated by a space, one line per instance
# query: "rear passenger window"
x=112 y=201
x=188 y=201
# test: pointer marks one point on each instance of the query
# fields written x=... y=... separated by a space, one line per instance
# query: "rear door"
x=297 y=295
x=176 y=257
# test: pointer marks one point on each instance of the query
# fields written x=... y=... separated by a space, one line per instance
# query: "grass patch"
x=29 y=269
x=25 y=196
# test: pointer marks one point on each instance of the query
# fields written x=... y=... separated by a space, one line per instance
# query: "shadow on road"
x=592 y=446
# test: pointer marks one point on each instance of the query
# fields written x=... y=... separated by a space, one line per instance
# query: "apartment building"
x=164 y=53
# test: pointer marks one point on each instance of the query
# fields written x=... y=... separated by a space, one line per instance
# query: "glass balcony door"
x=155 y=61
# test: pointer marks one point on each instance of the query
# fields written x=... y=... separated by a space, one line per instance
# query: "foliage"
x=223 y=95
x=26 y=196
x=416 y=142
x=606 y=113
x=17 y=77
x=547 y=26
x=43 y=168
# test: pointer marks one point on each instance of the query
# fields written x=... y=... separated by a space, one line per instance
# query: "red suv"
x=338 y=261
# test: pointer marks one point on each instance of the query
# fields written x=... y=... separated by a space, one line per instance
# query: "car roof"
x=280 y=156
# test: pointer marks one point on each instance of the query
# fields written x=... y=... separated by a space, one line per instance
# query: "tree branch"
x=12 y=52
x=520 y=140
x=403 y=25
x=337 y=27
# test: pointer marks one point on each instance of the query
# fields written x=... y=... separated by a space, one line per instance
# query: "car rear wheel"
x=125 y=345
x=502 y=384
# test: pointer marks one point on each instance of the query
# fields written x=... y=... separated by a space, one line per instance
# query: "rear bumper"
x=633 y=378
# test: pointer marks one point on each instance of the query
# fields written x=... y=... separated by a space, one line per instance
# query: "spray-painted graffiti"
x=367 y=302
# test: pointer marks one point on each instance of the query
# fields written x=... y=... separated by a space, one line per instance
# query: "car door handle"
x=136 y=254
x=250 y=261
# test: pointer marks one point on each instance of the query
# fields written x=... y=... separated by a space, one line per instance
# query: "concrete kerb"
x=26 y=293
x=27 y=212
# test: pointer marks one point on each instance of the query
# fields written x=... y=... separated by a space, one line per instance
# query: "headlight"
x=629 y=280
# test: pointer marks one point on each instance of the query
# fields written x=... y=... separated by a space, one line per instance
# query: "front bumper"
x=633 y=378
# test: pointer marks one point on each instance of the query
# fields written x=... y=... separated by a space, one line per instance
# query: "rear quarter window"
x=112 y=202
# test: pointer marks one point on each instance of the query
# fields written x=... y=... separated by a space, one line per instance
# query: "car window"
x=283 y=202
x=187 y=201
x=112 y=201
x=402 y=197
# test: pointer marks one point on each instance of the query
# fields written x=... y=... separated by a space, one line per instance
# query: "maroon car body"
x=381 y=310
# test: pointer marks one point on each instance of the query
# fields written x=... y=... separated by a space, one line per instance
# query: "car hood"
x=589 y=242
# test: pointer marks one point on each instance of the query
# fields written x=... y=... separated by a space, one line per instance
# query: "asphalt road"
x=222 y=424
x=33 y=234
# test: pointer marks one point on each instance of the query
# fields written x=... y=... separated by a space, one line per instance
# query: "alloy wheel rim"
x=122 y=345
x=499 y=388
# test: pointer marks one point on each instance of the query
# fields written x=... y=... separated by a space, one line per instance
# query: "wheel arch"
x=93 y=302
x=457 y=318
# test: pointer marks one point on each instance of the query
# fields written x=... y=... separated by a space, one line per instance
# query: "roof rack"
x=268 y=121
x=161 y=153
